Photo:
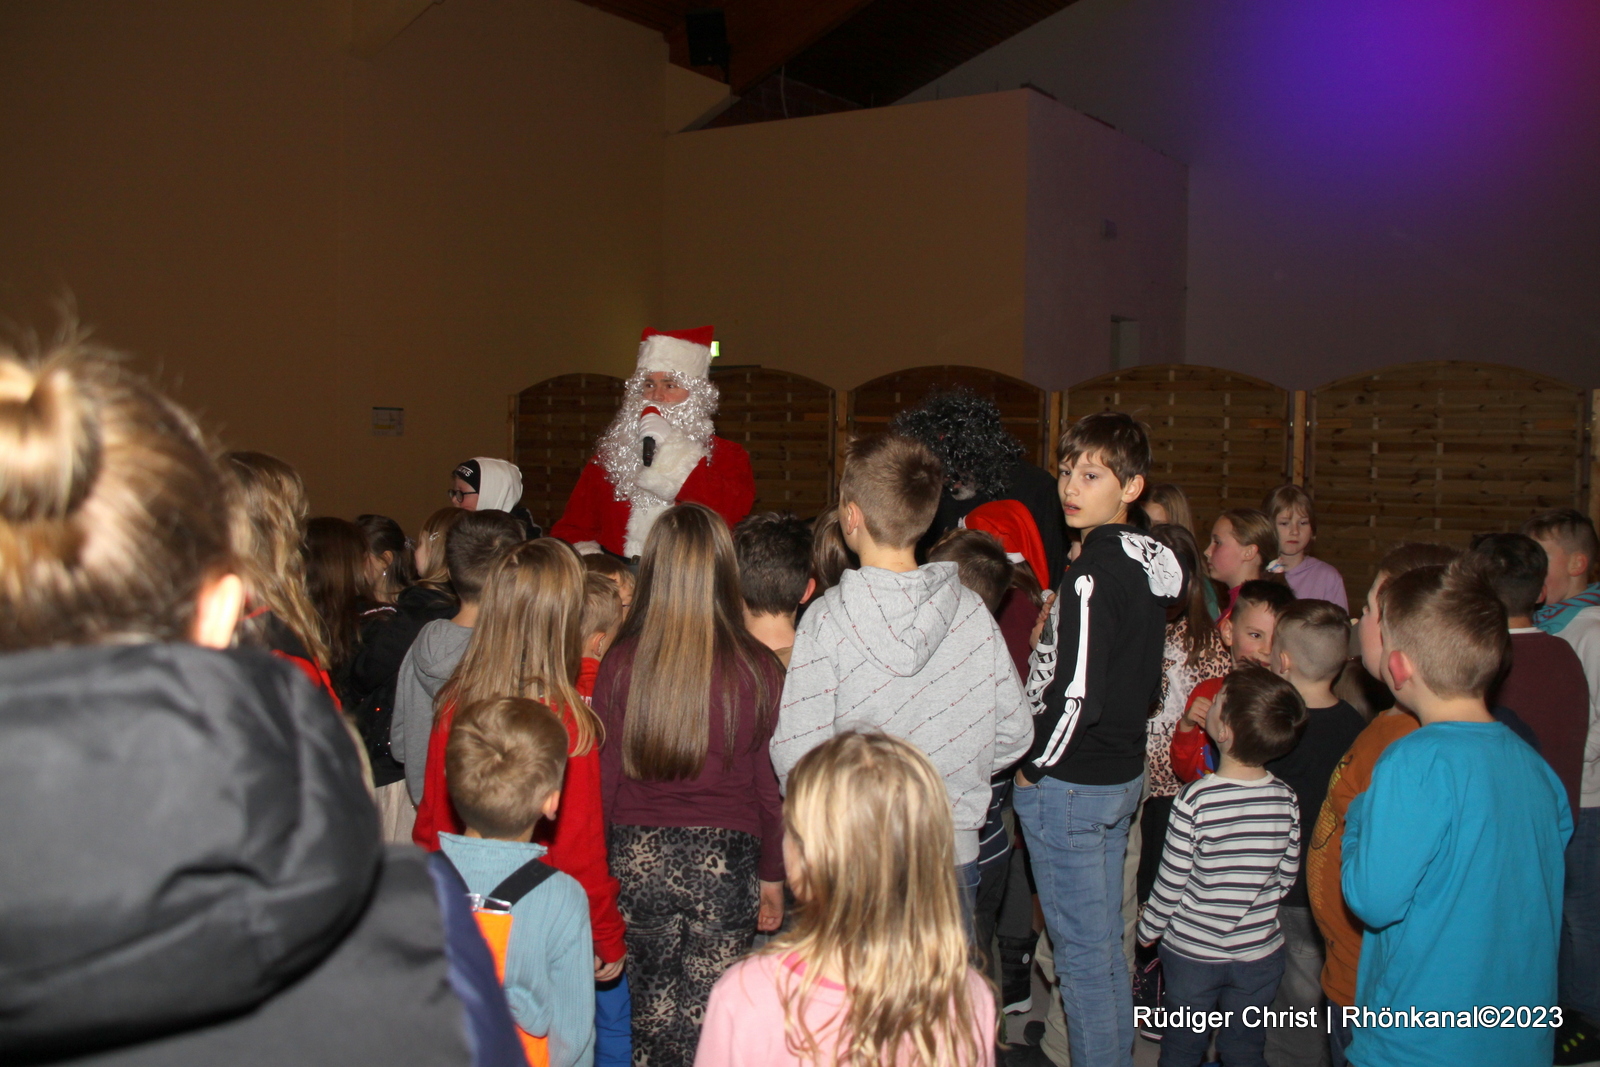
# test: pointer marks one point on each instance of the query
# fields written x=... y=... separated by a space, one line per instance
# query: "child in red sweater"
x=602 y=614
x=603 y=607
x=527 y=643
x=1247 y=631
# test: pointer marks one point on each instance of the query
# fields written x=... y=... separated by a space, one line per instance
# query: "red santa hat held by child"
x=1012 y=523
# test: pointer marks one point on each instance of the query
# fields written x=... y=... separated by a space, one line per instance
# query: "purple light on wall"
x=1414 y=98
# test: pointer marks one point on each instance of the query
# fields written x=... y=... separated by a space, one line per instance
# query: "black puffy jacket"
x=191 y=873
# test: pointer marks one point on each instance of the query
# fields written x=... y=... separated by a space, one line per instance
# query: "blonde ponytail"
x=111 y=511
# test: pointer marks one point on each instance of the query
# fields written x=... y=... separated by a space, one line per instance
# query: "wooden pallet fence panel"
x=1225 y=437
x=786 y=423
x=558 y=422
x=1438 y=451
x=1024 y=408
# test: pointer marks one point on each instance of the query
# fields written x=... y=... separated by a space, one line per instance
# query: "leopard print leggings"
x=689 y=896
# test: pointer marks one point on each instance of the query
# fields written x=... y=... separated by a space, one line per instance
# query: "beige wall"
x=1083 y=174
x=846 y=246
x=294 y=235
x=969 y=231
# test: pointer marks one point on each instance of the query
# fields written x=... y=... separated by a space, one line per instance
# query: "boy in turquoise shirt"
x=1453 y=857
x=504 y=763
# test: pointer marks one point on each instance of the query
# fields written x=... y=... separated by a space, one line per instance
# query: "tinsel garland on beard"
x=621 y=449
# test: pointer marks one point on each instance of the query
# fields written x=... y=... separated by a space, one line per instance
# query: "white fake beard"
x=621 y=450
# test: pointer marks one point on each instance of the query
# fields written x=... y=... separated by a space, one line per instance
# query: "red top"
x=318 y=676
x=576 y=838
x=740 y=793
x=436 y=814
x=722 y=481
x=1189 y=746
x=1016 y=621
x=1547 y=690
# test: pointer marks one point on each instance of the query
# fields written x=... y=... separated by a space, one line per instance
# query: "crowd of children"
x=774 y=794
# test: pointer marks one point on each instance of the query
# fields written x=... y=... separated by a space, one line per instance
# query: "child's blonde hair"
x=503 y=759
x=1174 y=501
x=602 y=606
x=526 y=642
x=433 y=536
x=896 y=481
x=868 y=819
x=111 y=509
x=1253 y=528
x=1289 y=498
x=613 y=569
x=268 y=511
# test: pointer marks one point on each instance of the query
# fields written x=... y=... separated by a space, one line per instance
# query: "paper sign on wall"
x=388 y=422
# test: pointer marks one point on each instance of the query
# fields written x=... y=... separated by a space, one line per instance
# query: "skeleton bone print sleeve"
x=1097 y=671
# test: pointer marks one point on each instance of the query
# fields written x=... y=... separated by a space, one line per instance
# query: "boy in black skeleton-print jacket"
x=1093 y=679
x=1097 y=669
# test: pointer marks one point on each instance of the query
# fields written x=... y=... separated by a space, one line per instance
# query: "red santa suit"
x=696 y=466
x=722 y=481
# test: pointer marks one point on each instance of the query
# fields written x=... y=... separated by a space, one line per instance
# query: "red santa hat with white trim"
x=685 y=353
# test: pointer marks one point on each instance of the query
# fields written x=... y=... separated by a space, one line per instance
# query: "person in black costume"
x=983 y=461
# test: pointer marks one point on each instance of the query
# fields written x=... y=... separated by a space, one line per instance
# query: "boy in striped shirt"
x=1232 y=851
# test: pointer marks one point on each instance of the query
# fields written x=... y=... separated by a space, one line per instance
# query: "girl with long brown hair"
x=1192 y=652
x=689 y=700
x=336 y=583
x=875 y=969
x=528 y=643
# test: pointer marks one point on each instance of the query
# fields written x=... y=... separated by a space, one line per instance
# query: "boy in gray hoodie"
x=473 y=541
x=904 y=649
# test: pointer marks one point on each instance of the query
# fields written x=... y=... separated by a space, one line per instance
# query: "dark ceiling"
x=792 y=57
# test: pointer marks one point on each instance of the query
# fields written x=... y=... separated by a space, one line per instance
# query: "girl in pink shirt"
x=1296 y=522
x=874 y=970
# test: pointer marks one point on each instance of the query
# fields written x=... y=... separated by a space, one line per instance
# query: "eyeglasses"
x=457 y=496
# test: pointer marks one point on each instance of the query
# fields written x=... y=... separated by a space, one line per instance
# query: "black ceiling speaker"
x=708 y=38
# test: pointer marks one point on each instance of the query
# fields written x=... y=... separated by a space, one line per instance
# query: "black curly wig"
x=964 y=430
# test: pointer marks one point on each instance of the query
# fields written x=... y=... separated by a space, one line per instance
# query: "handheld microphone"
x=649 y=421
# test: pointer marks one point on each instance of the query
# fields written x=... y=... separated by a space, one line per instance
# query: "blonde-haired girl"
x=528 y=643
x=874 y=969
x=428 y=556
x=267 y=525
x=1243 y=542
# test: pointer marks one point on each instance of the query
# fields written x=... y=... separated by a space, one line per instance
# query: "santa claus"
x=660 y=450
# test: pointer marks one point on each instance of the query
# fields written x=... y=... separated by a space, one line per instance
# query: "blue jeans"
x=1580 y=918
x=613 y=1024
x=1077 y=839
x=1231 y=987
